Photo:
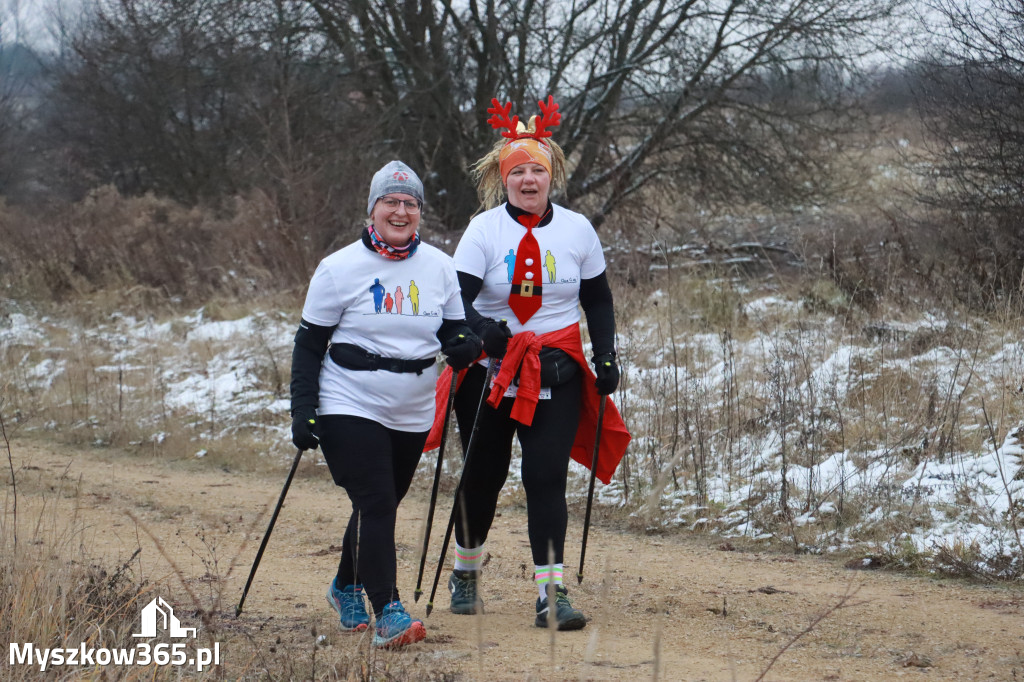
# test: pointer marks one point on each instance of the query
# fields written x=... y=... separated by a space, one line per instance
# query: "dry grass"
x=150 y=251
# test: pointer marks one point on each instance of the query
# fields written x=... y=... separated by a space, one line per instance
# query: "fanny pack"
x=556 y=367
x=350 y=356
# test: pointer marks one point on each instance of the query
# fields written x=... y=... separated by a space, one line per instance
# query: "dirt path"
x=661 y=608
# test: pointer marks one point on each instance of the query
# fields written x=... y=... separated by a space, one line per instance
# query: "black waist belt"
x=351 y=356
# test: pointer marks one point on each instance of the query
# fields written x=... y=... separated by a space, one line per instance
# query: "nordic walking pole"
x=270 y=527
x=590 y=492
x=437 y=480
x=491 y=368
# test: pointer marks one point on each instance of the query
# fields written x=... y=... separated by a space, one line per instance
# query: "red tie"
x=526 y=281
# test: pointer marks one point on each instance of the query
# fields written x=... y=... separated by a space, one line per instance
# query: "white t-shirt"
x=387 y=307
x=569 y=251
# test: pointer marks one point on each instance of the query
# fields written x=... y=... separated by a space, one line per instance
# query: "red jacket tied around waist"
x=522 y=357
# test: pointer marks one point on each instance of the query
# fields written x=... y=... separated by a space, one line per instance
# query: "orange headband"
x=523 y=150
x=525 y=144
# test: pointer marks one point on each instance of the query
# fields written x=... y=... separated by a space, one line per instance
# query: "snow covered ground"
x=800 y=429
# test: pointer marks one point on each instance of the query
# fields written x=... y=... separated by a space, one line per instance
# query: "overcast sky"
x=29 y=21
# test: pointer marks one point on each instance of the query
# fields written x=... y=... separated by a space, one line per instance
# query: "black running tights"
x=545 y=444
x=375 y=466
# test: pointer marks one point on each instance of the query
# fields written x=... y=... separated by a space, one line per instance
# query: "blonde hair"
x=487 y=173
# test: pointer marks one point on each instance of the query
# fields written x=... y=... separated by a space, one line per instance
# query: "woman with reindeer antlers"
x=361 y=388
x=524 y=267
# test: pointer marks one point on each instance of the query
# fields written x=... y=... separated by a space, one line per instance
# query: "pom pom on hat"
x=394 y=178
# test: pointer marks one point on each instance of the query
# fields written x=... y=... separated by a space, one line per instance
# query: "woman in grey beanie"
x=363 y=387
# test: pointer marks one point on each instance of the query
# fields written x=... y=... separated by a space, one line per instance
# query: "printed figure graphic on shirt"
x=388 y=302
x=510 y=261
x=414 y=297
x=377 y=289
x=399 y=296
x=549 y=263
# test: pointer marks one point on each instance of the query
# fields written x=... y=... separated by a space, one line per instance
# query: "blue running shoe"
x=397 y=628
x=349 y=605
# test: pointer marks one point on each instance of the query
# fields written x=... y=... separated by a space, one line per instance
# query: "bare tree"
x=20 y=73
x=7 y=115
x=971 y=97
x=974 y=102
x=721 y=100
x=302 y=149
x=142 y=97
x=672 y=91
x=202 y=99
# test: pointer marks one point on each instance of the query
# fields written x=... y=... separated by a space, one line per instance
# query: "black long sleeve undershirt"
x=470 y=287
x=595 y=298
x=598 y=306
x=308 y=354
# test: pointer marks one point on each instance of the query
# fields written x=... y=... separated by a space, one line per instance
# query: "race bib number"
x=513 y=390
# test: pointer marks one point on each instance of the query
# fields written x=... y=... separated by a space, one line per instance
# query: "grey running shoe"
x=465 y=599
x=567 y=617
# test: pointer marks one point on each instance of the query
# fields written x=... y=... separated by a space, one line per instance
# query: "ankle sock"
x=545 y=575
x=469 y=559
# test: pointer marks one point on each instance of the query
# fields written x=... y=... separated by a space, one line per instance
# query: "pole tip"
x=430 y=607
x=579 y=578
x=416 y=595
x=238 y=610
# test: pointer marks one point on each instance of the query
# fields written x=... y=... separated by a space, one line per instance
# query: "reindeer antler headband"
x=520 y=144
x=515 y=130
x=525 y=143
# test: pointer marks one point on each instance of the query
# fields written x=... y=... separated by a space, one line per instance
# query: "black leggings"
x=375 y=466
x=546 y=445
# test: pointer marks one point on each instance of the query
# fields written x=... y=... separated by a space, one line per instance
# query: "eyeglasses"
x=392 y=204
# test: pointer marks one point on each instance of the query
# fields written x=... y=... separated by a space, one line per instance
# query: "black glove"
x=607 y=373
x=495 y=336
x=303 y=427
x=461 y=351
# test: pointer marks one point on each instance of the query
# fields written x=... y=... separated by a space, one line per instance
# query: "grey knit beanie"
x=395 y=177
